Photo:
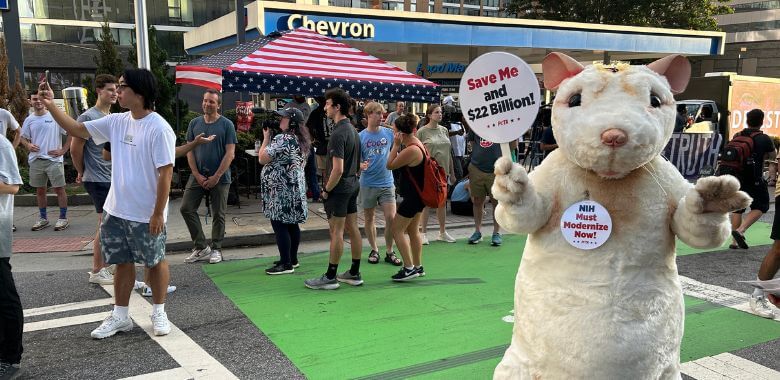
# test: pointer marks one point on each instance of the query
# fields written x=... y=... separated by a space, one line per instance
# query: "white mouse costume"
x=615 y=311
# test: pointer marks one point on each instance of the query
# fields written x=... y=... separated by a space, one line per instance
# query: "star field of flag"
x=302 y=62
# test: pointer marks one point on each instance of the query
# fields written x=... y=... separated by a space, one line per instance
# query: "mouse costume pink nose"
x=614 y=138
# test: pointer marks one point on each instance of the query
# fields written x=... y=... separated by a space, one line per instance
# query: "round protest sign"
x=499 y=96
x=586 y=225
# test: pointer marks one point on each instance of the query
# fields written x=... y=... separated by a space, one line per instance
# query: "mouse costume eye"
x=575 y=100
x=655 y=101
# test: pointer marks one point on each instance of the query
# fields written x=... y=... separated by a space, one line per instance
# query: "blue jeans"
x=310 y=171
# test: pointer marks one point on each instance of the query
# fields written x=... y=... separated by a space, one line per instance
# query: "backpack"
x=737 y=156
x=433 y=191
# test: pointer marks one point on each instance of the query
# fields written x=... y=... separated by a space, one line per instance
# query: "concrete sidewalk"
x=244 y=226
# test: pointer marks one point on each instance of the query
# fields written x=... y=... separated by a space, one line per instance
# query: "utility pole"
x=240 y=25
x=142 y=35
x=13 y=40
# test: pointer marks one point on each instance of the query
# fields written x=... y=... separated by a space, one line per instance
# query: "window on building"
x=756 y=6
x=340 y=3
x=450 y=10
x=393 y=5
x=472 y=12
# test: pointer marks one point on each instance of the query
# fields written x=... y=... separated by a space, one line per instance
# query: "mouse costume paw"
x=717 y=194
x=511 y=181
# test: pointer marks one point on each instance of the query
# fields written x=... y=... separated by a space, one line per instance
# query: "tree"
x=678 y=14
x=107 y=61
x=5 y=90
x=166 y=82
x=19 y=108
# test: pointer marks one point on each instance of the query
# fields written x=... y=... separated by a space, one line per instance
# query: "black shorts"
x=341 y=204
x=98 y=191
x=410 y=206
x=776 y=223
x=760 y=196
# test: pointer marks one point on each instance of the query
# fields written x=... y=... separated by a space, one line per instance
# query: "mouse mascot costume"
x=597 y=295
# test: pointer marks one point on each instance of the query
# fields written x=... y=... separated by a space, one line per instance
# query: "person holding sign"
x=407 y=153
x=437 y=140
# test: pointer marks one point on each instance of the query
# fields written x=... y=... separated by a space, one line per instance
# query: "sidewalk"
x=244 y=226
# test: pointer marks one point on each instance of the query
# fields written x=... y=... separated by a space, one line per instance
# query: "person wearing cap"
x=284 y=188
x=210 y=166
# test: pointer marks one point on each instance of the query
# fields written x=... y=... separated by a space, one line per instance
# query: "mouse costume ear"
x=558 y=67
x=676 y=69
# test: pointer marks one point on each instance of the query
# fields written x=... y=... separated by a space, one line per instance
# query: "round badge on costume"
x=586 y=225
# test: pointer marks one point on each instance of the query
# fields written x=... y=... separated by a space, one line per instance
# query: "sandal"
x=739 y=239
x=392 y=259
x=373 y=257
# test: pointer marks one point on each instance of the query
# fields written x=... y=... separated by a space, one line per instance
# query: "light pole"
x=742 y=50
x=142 y=35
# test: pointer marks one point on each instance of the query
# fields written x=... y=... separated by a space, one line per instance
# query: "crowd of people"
x=340 y=154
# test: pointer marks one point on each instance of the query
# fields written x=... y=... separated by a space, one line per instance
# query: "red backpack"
x=737 y=156
x=433 y=192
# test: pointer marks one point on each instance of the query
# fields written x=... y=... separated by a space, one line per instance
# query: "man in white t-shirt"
x=7 y=121
x=42 y=137
x=133 y=229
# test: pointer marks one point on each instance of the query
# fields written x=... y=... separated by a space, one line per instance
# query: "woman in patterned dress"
x=284 y=185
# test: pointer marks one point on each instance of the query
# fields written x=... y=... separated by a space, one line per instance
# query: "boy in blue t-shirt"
x=376 y=182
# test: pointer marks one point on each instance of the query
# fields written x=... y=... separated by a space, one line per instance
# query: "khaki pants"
x=190 y=203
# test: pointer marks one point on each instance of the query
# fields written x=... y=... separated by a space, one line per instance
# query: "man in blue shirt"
x=376 y=182
x=210 y=166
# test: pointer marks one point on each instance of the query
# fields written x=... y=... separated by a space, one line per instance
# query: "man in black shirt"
x=752 y=182
x=340 y=193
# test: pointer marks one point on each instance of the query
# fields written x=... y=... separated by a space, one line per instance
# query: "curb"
x=29 y=200
x=259 y=239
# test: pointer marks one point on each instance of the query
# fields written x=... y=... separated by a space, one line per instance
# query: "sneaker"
x=111 y=326
x=420 y=271
x=111 y=269
x=279 y=262
x=147 y=291
x=61 y=224
x=405 y=275
x=8 y=371
x=40 y=224
x=102 y=277
x=322 y=283
x=446 y=237
x=161 y=324
x=138 y=285
x=424 y=239
x=760 y=307
x=216 y=256
x=496 y=239
x=349 y=278
x=475 y=238
x=279 y=269
x=199 y=255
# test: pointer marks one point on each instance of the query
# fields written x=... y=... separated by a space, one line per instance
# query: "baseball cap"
x=293 y=114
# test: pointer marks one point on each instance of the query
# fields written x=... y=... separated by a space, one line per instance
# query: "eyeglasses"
x=122 y=86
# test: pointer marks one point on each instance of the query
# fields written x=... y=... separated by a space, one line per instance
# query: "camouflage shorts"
x=123 y=241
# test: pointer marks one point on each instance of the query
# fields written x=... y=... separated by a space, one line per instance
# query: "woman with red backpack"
x=408 y=154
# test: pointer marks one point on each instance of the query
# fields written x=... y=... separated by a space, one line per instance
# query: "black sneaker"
x=405 y=275
x=420 y=271
x=279 y=262
x=8 y=370
x=279 y=269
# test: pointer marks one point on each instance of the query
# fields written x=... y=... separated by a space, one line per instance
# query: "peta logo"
x=485 y=144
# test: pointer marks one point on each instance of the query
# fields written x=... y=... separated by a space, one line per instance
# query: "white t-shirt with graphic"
x=44 y=132
x=138 y=149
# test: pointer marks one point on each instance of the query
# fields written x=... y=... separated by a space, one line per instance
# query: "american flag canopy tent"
x=302 y=62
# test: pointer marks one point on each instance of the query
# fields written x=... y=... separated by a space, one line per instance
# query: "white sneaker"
x=102 y=277
x=61 y=224
x=161 y=324
x=446 y=237
x=138 y=285
x=40 y=224
x=111 y=326
x=424 y=239
x=198 y=255
x=147 y=291
x=216 y=256
x=760 y=307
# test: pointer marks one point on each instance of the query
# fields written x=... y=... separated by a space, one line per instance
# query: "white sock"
x=758 y=292
x=158 y=308
x=120 y=312
x=409 y=268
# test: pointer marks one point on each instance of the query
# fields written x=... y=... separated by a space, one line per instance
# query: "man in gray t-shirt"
x=11 y=318
x=94 y=172
x=400 y=107
x=210 y=166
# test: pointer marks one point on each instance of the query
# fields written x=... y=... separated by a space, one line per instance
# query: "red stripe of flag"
x=200 y=69
x=201 y=83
